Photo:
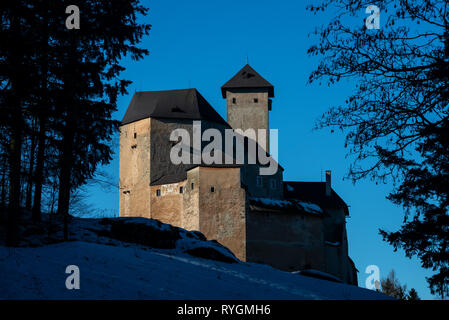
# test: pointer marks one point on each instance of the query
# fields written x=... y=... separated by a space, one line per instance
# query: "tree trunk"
x=29 y=190
x=42 y=118
x=15 y=142
x=65 y=168
x=15 y=152
x=39 y=174
x=3 y=190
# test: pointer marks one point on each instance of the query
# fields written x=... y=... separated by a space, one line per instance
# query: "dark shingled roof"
x=247 y=77
x=172 y=104
x=314 y=192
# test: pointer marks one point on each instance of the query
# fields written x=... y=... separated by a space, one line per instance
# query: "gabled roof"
x=314 y=192
x=173 y=104
x=247 y=77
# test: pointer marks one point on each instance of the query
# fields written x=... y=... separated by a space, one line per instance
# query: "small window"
x=212 y=189
x=158 y=192
x=192 y=185
x=181 y=189
x=135 y=135
x=256 y=100
x=273 y=184
x=234 y=100
x=259 y=181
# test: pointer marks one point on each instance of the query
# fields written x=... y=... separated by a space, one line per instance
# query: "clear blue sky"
x=201 y=44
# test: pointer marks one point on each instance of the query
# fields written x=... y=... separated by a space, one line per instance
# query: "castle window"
x=259 y=181
x=273 y=184
x=192 y=185
x=135 y=135
x=256 y=100
x=234 y=100
x=158 y=192
x=212 y=189
x=181 y=189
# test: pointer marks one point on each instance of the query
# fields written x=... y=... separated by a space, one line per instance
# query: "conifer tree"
x=397 y=119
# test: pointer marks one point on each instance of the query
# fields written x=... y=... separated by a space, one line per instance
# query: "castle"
x=289 y=225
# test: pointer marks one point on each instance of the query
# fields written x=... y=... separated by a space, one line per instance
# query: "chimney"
x=328 y=183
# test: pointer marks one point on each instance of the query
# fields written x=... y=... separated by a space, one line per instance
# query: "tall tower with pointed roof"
x=248 y=101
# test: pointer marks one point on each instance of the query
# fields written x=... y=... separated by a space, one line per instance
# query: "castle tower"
x=248 y=101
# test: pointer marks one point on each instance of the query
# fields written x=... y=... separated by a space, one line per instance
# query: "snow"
x=113 y=269
x=306 y=206
x=111 y=272
x=310 y=207
x=319 y=274
x=273 y=202
x=335 y=244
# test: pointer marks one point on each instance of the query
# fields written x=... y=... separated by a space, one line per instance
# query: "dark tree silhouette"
x=413 y=295
x=89 y=72
x=16 y=69
x=397 y=119
x=58 y=90
x=392 y=287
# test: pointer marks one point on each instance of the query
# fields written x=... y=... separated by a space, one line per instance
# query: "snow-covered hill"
x=118 y=259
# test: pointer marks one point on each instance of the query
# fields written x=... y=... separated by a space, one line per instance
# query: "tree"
x=413 y=295
x=90 y=84
x=392 y=287
x=17 y=77
x=396 y=121
x=58 y=90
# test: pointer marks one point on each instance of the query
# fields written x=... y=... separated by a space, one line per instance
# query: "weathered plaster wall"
x=161 y=147
x=288 y=241
x=265 y=189
x=245 y=113
x=191 y=216
x=134 y=169
x=168 y=207
x=334 y=226
x=222 y=212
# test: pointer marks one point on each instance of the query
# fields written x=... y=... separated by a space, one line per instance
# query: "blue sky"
x=202 y=44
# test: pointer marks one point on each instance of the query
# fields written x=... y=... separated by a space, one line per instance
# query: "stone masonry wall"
x=222 y=210
x=288 y=241
x=245 y=113
x=135 y=169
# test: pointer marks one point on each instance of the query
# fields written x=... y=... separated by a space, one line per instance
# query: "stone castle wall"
x=135 y=169
x=246 y=113
x=288 y=241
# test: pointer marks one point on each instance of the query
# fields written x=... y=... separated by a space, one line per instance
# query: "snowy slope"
x=119 y=270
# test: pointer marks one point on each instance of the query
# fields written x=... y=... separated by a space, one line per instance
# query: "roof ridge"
x=247 y=77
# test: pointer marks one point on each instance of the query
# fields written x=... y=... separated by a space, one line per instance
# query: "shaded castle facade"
x=290 y=225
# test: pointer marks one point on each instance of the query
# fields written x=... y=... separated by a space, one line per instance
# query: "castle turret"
x=248 y=101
